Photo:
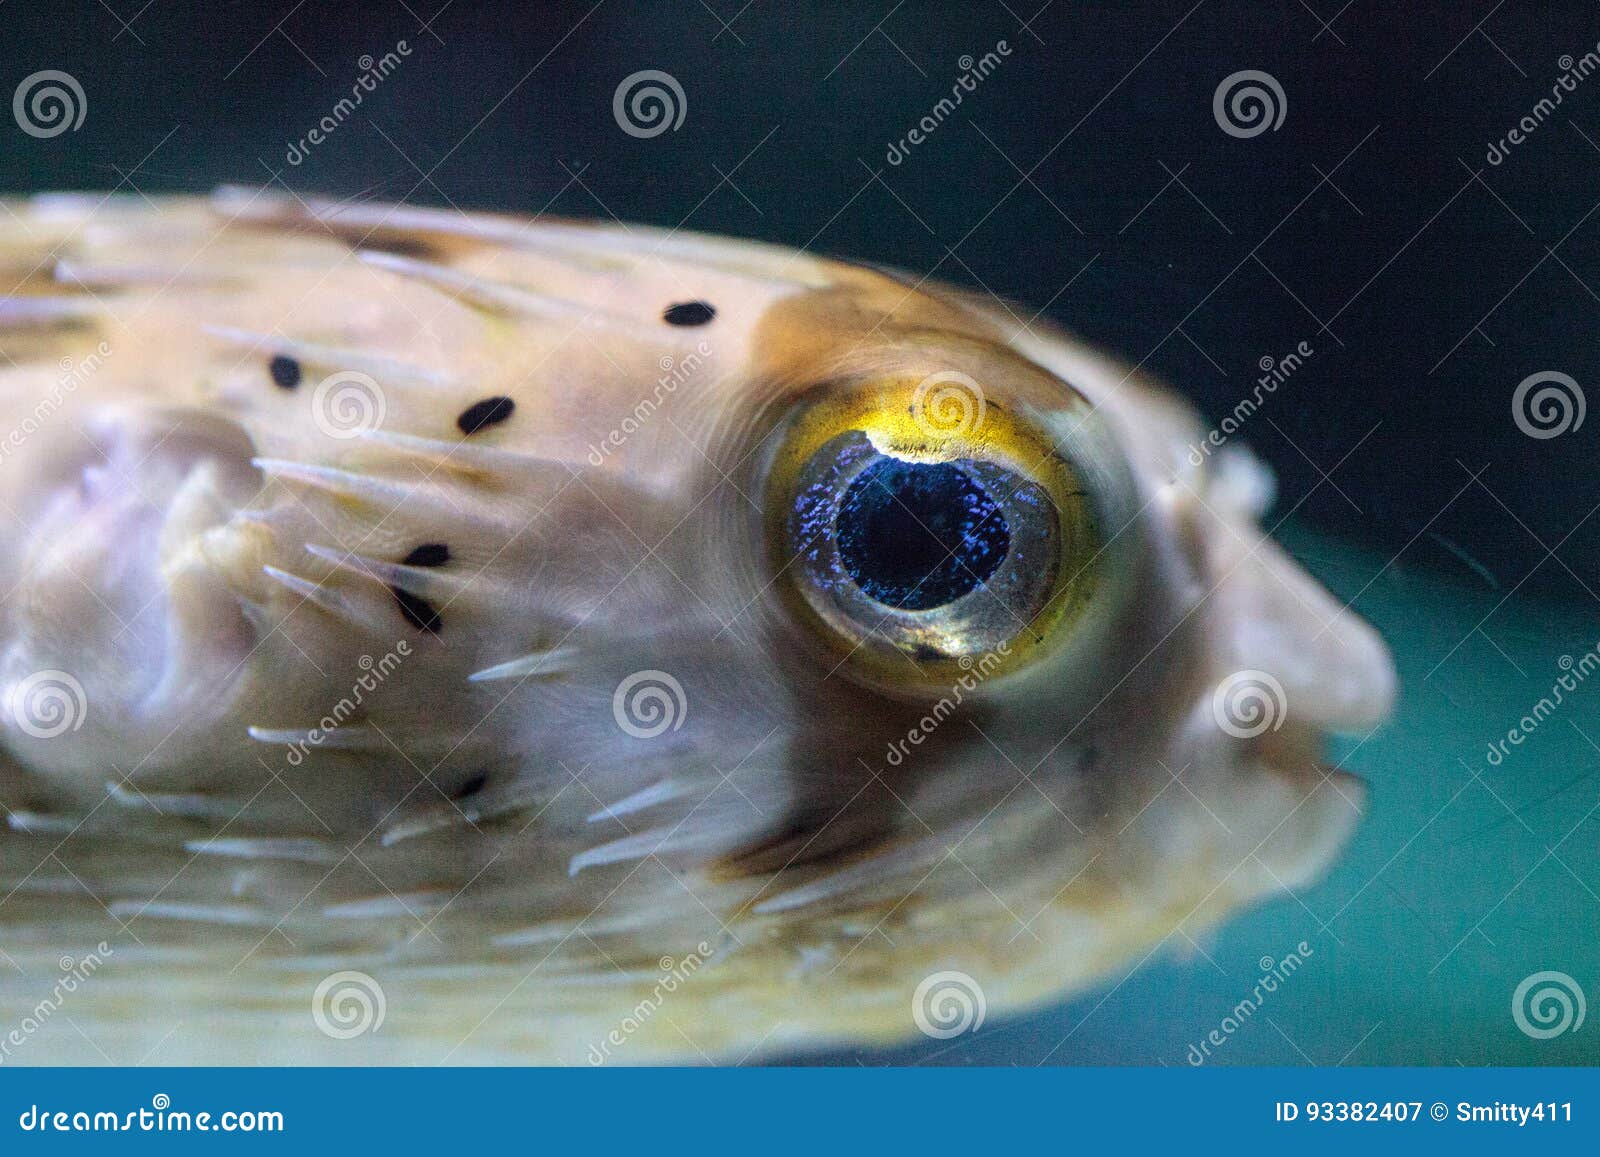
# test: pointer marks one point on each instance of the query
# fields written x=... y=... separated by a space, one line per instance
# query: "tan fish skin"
x=203 y=563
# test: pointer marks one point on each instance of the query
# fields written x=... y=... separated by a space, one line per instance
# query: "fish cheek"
x=856 y=776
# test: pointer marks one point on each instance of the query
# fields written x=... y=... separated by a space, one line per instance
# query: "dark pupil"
x=916 y=536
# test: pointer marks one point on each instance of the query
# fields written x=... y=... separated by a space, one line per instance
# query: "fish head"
x=925 y=565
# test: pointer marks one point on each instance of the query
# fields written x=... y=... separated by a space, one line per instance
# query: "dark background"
x=1087 y=174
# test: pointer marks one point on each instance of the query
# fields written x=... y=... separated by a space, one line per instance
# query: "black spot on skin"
x=418 y=612
x=285 y=371
x=488 y=412
x=689 y=313
x=428 y=554
x=926 y=654
x=472 y=787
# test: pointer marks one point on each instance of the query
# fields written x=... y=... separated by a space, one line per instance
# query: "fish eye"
x=920 y=528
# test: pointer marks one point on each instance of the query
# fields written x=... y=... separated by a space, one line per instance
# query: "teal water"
x=1464 y=879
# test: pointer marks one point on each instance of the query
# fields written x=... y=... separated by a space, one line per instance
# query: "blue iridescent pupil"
x=916 y=536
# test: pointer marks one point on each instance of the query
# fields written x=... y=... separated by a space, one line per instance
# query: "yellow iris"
x=1046 y=520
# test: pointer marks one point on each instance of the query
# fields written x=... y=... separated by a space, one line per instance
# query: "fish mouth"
x=120 y=593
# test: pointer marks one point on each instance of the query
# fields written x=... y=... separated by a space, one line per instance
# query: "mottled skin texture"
x=455 y=841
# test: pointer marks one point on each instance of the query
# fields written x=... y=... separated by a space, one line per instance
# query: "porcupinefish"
x=444 y=637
